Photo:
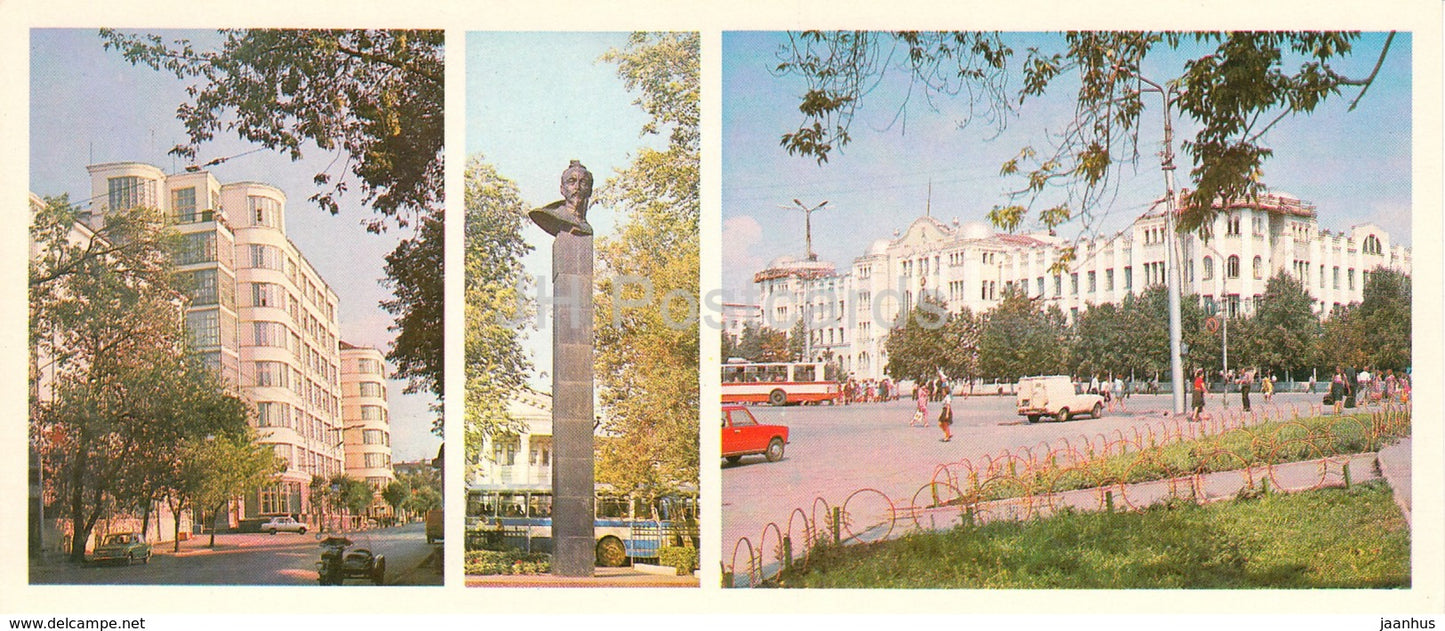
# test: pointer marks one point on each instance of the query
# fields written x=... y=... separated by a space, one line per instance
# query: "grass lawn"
x=1268 y=443
x=1333 y=538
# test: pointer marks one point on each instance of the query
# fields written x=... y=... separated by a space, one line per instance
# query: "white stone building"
x=850 y=314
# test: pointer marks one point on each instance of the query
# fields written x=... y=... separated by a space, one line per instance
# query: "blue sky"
x=1355 y=166
x=536 y=101
x=87 y=105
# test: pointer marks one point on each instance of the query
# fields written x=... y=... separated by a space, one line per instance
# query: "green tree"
x=395 y=495
x=1385 y=311
x=1232 y=87
x=647 y=355
x=761 y=344
x=219 y=469
x=107 y=360
x=1282 y=333
x=495 y=304
x=1018 y=339
x=921 y=346
x=372 y=96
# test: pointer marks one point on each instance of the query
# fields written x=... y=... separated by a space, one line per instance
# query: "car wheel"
x=734 y=459
x=775 y=450
x=1033 y=418
x=1063 y=415
x=129 y=559
x=301 y=531
x=146 y=560
x=611 y=552
x=271 y=531
x=1098 y=410
x=378 y=574
x=778 y=397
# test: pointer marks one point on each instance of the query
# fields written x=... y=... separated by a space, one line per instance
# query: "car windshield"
x=116 y=540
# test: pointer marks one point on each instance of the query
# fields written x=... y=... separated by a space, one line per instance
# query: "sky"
x=536 y=101
x=90 y=106
x=1354 y=166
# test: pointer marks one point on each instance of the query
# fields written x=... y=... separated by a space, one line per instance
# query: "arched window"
x=1258 y=268
x=1231 y=267
x=1372 y=245
x=1208 y=268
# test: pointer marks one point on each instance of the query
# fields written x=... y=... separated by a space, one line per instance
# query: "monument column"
x=573 y=490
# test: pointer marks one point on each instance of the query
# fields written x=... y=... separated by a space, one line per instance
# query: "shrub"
x=682 y=558
x=507 y=562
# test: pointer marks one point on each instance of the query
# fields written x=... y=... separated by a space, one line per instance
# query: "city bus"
x=627 y=529
x=779 y=383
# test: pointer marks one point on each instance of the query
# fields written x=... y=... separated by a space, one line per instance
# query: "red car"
x=742 y=435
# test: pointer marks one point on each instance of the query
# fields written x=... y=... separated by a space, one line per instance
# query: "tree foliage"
x=933 y=341
x=495 y=303
x=647 y=355
x=1018 y=338
x=115 y=388
x=1282 y=333
x=219 y=468
x=1235 y=87
x=419 y=306
x=1375 y=332
x=757 y=344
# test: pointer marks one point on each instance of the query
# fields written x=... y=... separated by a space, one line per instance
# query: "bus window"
x=539 y=505
x=612 y=507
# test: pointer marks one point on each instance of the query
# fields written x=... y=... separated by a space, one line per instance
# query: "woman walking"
x=920 y=417
x=945 y=416
x=1198 y=395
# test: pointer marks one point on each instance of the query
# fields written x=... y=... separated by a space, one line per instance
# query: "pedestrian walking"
x=1338 y=390
x=920 y=417
x=1246 y=382
x=1198 y=394
x=945 y=416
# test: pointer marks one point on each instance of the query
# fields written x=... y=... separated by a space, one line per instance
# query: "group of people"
x=1115 y=391
x=1349 y=388
x=869 y=391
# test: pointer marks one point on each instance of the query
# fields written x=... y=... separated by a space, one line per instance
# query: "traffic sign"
x=1212 y=324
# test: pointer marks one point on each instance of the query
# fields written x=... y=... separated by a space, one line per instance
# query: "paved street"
x=255 y=559
x=836 y=450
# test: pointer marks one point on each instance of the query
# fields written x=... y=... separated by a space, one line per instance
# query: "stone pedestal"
x=573 y=490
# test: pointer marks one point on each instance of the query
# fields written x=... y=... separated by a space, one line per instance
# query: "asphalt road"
x=834 y=451
x=254 y=559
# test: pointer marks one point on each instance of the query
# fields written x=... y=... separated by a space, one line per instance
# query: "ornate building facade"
x=849 y=314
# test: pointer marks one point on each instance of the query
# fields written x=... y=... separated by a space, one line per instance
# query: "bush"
x=682 y=558
x=509 y=562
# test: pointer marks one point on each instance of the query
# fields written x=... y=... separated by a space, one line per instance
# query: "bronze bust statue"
x=568 y=214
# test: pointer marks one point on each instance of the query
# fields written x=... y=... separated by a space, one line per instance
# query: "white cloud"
x=739 y=235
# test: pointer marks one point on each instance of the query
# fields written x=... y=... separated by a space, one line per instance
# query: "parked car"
x=742 y=435
x=284 y=524
x=1055 y=396
x=124 y=547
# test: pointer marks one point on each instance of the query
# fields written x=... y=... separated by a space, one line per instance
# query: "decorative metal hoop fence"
x=1079 y=473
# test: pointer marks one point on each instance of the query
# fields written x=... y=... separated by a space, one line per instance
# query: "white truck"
x=1055 y=396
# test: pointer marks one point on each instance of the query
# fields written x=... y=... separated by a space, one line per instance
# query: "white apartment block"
x=261 y=315
x=850 y=314
x=523 y=459
x=367 y=420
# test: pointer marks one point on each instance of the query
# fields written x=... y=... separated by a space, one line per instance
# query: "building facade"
x=367 y=421
x=259 y=313
x=849 y=314
x=520 y=460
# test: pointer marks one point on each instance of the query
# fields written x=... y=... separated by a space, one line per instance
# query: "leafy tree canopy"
x=1234 y=86
x=647 y=355
x=495 y=303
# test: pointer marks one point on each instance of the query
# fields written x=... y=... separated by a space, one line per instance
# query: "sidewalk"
x=605 y=577
x=1394 y=462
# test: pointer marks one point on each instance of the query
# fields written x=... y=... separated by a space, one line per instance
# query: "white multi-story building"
x=367 y=420
x=259 y=313
x=522 y=459
x=970 y=266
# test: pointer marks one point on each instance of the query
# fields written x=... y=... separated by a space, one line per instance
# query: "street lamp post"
x=1171 y=258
